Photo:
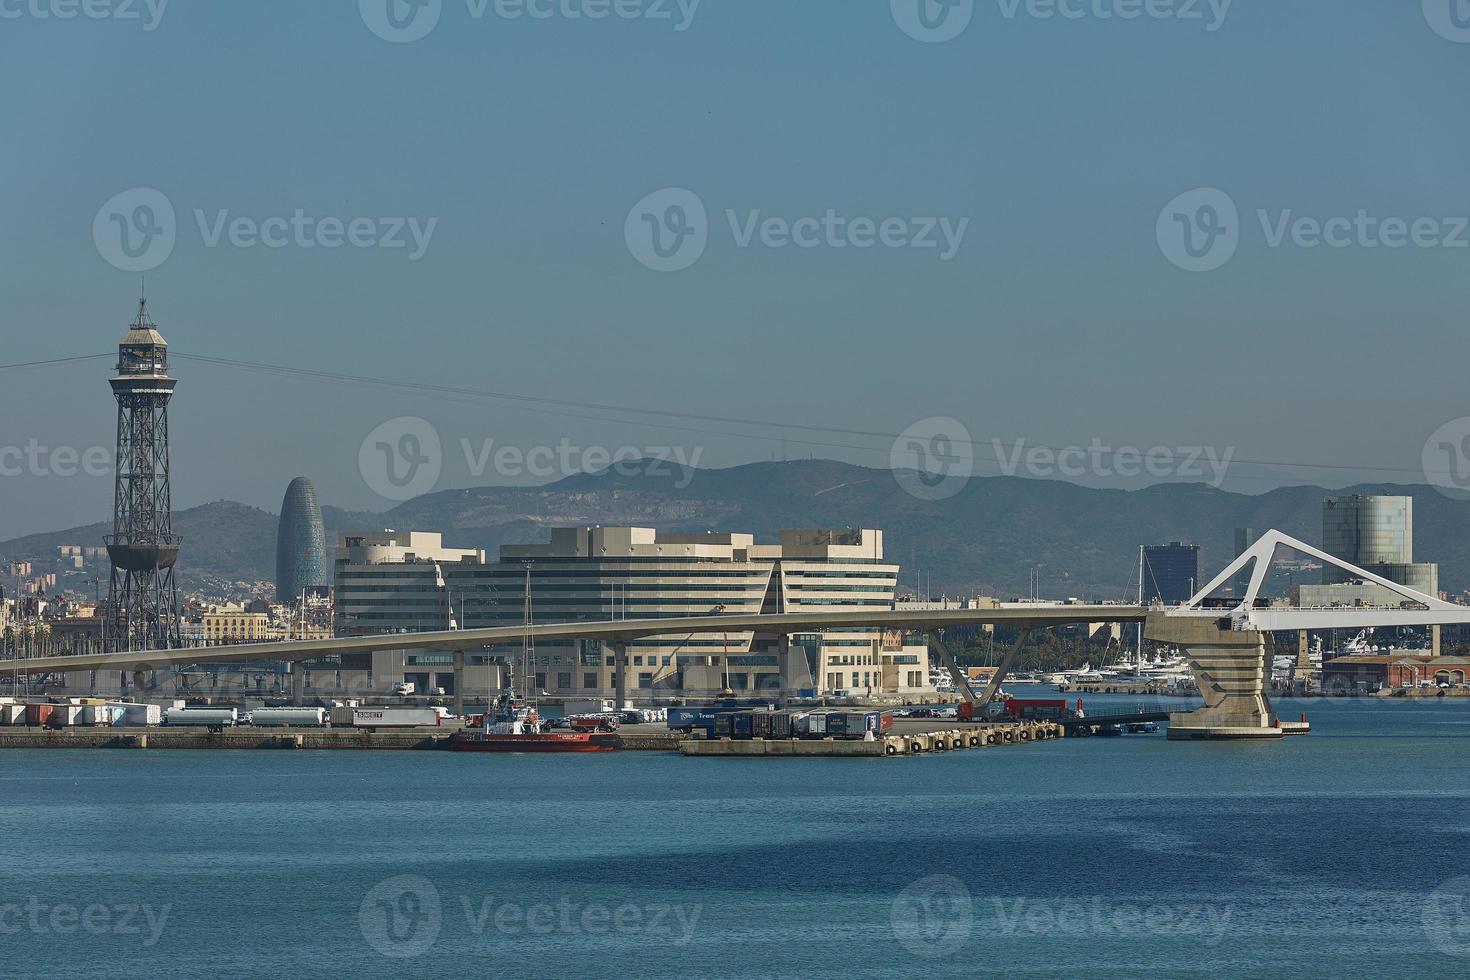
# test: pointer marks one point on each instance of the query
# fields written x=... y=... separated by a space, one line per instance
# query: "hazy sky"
x=1057 y=309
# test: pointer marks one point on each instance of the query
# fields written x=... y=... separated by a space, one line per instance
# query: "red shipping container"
x=38 y=715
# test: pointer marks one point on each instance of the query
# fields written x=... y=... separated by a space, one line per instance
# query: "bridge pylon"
x=1232 y=671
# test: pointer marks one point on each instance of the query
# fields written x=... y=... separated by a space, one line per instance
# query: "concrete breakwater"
x=886 y=746
x=248 y=738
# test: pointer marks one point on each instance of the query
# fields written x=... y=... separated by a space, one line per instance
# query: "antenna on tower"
x=143 y=319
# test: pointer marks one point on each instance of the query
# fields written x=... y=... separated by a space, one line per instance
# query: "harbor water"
x=1340 y=855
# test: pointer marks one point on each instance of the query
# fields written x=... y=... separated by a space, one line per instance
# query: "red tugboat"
x=516 y=727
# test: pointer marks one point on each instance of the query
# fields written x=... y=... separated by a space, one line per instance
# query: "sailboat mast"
x=1140 y=602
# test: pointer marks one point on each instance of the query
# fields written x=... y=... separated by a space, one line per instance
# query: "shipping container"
x=141 y=715
x=12 y=714
x=288 y=717
x=101 y=715
x=587 y=707
x=683 y=719
x=395 y=718
x=724 y=725
x=342 y=715
x=205 y=717
x=66 y=716
x=1038 y=709
x=38 y=715
x=760 y=724
x=784 y=723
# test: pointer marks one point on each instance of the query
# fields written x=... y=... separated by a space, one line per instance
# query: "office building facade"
x=411 y=582
x=1172 y=573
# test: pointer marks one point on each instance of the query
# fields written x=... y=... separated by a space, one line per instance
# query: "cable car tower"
x=143 y=603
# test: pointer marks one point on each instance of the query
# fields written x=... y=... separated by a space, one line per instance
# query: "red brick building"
x=1372 y=672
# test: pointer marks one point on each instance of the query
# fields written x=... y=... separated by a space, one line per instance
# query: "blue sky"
x=1058 y=320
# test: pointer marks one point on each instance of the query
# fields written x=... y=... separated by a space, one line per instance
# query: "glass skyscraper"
x=1172 y=573
x=1367 y=531
x=301 y=543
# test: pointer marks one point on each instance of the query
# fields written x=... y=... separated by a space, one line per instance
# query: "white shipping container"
x=342 y=715
x=587 y=707
x=101 y=715
x=292 y=717
x=202 y=716
x=395 y=718
x=12 y=714
x=141 y=715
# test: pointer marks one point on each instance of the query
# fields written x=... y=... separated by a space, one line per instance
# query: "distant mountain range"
x=986 y=539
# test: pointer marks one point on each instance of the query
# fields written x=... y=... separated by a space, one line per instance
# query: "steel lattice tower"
x=143 y=604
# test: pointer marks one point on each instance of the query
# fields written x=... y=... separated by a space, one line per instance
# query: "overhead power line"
x=563 y=407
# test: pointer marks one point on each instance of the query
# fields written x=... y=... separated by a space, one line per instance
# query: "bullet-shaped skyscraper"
x=301 y=543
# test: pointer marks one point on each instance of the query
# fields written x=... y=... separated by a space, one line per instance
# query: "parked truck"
x=396 y=717
x=289 y=717
x=203 y=717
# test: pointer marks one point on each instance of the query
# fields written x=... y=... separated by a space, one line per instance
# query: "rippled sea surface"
x=1342 y=854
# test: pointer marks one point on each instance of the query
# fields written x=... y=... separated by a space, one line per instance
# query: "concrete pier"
x=1231 y=669
x=235 y=738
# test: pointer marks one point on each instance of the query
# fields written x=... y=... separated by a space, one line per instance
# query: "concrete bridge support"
x=459 y=683
x=1231 y=669
x=620 y=666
